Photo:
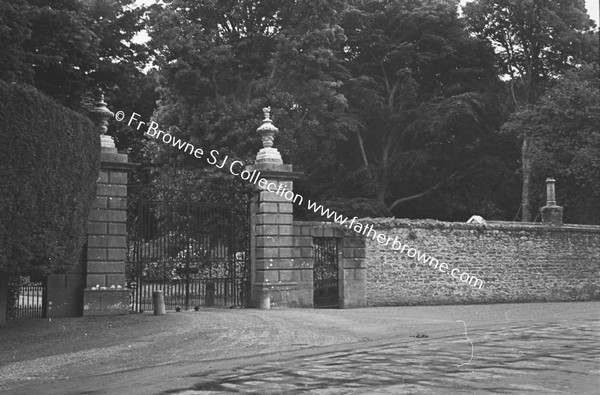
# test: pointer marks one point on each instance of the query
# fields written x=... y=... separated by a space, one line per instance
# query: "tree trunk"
x=363 y=153
x=384 y=178
x=526 y=167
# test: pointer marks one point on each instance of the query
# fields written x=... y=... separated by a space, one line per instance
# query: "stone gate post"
x=107 y=230
x=274 y=273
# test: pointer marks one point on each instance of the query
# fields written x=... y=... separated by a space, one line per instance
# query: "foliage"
x=68 y=48
x=425 y=95
x=536 y=41
x=323 y=67
x=388 y=107
x=222 y=62
x=564 y=128
x=48 y=168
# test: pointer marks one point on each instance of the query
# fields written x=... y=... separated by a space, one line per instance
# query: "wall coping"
x=335 y=225
x=389 y=223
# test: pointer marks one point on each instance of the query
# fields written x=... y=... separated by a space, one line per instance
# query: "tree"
x=67 y=48
x=535 y=41
x=221 y=62
x=563 y=128
x=421 y=90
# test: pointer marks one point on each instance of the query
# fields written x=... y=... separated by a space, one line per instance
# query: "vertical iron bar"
x=187 y=256
x=231 y=260
x=44 y=291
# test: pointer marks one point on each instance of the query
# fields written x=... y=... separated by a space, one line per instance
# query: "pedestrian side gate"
x=197 y=254
x=325 y=273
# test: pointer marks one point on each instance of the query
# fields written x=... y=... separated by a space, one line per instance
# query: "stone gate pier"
x=283 y=255
x=105 y=291
x=274 y=272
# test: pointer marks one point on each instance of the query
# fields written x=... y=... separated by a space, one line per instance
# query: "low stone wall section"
x=517 y=263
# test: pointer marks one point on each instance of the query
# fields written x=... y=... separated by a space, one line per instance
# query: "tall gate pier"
x=298 y=264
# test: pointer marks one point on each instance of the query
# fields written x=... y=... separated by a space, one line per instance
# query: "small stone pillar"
x=552 y=214
x=273 y=270
x=106 y=292
x=158 y=301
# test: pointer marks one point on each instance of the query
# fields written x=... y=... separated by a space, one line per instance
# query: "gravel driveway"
x=93 y=354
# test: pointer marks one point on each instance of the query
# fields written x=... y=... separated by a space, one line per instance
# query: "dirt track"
x=81 y=349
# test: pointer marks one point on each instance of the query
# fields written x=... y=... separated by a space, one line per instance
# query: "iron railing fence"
x=217 y=292
x=197 y=254
x=25 y=300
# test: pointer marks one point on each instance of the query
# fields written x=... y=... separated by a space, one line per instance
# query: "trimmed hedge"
x=49 y=163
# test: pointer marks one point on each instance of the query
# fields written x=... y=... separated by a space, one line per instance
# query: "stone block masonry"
x=106 y=237
x=352 y=267
x=106 y=248
x=517 y=262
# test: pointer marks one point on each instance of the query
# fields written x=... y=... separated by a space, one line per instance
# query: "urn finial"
x=100 y=114
x=267 y=130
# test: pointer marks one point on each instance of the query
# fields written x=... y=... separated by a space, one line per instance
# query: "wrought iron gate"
x=325 y=285
x=197 y=254
x=26 y=297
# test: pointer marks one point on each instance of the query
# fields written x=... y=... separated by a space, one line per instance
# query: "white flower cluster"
x=99 y=288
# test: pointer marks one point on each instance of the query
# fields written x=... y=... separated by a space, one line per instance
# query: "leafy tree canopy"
x=422 y=92
x=67 y=48
x=564 y=128
x=221 y=62
x=536 y=41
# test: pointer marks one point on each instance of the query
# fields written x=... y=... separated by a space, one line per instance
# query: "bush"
x=49 y=161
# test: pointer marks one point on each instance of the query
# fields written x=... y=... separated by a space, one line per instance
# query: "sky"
x=592 y=7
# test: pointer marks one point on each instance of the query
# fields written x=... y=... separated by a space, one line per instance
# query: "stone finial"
x=100 y=114
x=267 y=132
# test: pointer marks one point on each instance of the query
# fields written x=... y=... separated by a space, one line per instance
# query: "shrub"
x=49 y=161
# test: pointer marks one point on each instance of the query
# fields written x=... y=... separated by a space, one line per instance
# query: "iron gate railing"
x=197 y=254
x=25 y=299
x=325 y=279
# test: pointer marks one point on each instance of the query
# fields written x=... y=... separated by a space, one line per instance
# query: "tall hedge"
x=49 y=162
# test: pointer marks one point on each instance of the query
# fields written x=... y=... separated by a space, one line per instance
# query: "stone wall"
x=517 y=262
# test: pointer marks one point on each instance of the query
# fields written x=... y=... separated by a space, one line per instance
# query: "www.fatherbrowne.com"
x=368 y=231
x=235 y=168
